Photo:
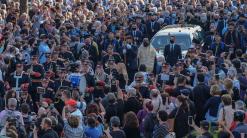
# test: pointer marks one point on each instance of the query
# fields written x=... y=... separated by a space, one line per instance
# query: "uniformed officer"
x=62 y=81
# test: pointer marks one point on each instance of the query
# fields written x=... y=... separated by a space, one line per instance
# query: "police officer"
x=36 y=74
x=49 y=65
x=62 y=81
x=17 y=78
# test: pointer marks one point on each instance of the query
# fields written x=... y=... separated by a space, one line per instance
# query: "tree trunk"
x=23 y=6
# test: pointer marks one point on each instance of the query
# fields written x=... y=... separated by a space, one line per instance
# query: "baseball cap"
x=71 y=102
x=115 y=121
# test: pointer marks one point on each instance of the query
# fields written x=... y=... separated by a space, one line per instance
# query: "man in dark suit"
x=172 y=52
x=210 y=38
x=152 y=26
x=136 y=34
x=222 y=25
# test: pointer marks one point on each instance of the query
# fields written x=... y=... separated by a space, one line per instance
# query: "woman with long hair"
x=131 y=125
x=178 y=121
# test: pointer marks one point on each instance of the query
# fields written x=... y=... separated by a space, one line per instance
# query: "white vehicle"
x=184 y=34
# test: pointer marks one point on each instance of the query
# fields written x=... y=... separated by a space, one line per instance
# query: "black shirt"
x=50 y=133
x=118 y=134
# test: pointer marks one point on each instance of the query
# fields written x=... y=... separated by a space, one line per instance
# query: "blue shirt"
x=93 y=132
x=43 y=49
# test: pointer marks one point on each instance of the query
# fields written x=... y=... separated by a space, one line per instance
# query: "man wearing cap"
x=36 y=73
x=71 y=107
x=18 y=78
x=61 y=81
x=49 y=91
x=49 y=65
x=65 y=53
x=58 y=61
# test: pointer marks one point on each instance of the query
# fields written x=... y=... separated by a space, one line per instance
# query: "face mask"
x=145 y=44
x=172 y=41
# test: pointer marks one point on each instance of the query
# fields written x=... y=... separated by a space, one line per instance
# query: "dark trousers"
x=34 y=95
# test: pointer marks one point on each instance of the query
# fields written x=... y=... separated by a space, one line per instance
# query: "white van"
x=184 y=34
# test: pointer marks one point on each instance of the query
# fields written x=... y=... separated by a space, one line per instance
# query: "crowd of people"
x=85 y=69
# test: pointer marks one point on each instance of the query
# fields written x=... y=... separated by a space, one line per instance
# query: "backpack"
x=10 y=115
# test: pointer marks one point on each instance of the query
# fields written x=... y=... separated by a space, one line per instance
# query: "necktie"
x=171 y=48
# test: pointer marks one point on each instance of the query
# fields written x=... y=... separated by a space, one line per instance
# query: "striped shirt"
x=70 y=132
x=160 y=131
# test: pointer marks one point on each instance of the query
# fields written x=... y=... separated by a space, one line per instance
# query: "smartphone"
x=40 y=90
x=190 y=120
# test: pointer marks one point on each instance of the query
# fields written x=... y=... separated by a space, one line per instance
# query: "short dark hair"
x=236 y=63
x=163 y=115
x=142 y=68
x=239 y=52
x=181 y=79
x=25 y=108
x=200 y=77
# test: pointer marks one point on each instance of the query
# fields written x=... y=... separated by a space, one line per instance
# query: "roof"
x=179 y=29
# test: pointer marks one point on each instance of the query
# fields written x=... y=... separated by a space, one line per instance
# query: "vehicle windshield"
x=160 y=41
